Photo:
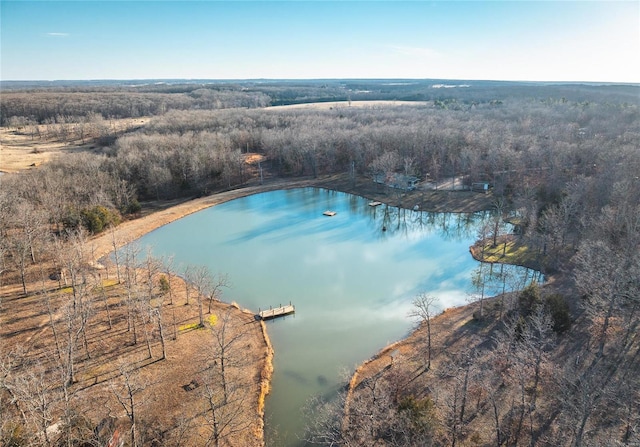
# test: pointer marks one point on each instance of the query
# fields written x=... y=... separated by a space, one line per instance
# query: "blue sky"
x=499 y=40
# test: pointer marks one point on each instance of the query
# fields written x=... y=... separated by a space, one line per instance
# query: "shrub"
x=133 y=207
x=164 y=285
x=96 y=219
x=13 y=434
x=72 y=219
x=559 y=310
x=529 y=299
x=419 y=412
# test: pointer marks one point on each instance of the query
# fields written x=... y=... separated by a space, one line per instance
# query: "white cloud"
x=414 y=51
x=58 y=34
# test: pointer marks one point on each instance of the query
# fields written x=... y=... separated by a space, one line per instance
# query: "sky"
x=594 y=41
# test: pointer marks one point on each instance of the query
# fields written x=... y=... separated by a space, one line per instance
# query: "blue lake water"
x=351 y=282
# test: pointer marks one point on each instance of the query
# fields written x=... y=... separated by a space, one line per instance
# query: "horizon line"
x=259 y=79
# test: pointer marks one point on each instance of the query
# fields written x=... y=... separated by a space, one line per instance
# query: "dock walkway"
x=276 y=312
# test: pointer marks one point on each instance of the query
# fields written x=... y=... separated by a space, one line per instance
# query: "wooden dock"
x=277 y=312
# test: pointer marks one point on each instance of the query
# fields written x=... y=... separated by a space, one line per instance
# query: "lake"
x=351 y=277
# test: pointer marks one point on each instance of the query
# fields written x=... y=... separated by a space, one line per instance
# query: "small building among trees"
x=397 y=180
x=480 y=187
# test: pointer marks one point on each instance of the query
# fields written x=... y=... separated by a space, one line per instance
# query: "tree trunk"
x=605 y=326
x=162 y=336
x=428 y=343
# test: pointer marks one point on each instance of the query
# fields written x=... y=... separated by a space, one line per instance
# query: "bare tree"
x=73 y=257
x=157 y=312
x=382 y=409
x=150 y=311
x=224 y=413
x=497 y=217
x=127 y=390
x=187 y=272
x=18 y=248
x=223 y=385
x=358 y=414
x=8 y=400
x=199 y=278
x=479 y=281
x=424 y=308
x=602 y=275
x=384 y=166
x=169 y=270
x=227 y=338
x=214 y=289
x=581 y=393
x=537 y=340
x=325 y=421
x=132 y=286
x=116 y=254
x=38 y=397
x=52 y=322
x=31 y=222
x=458 y=374
x=207 y=286
x=73 y=329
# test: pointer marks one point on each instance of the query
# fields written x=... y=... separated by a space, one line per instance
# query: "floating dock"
x=277 y=312
x=375 y=203
x=330 y=213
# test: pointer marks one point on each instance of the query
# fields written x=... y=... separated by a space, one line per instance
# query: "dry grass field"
x=30 y=146
x=344 y=104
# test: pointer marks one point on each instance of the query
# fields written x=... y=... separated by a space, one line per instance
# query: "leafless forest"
x=558 y=366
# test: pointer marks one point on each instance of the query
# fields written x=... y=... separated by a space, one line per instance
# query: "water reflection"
x=393 y=221
x=351 y=282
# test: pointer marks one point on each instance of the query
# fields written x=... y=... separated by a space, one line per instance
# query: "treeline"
x=545 y=143
x=49 y=102
x=46 y=106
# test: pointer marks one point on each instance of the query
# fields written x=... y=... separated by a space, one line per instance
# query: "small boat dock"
x=276 y=312
x=330 y=213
